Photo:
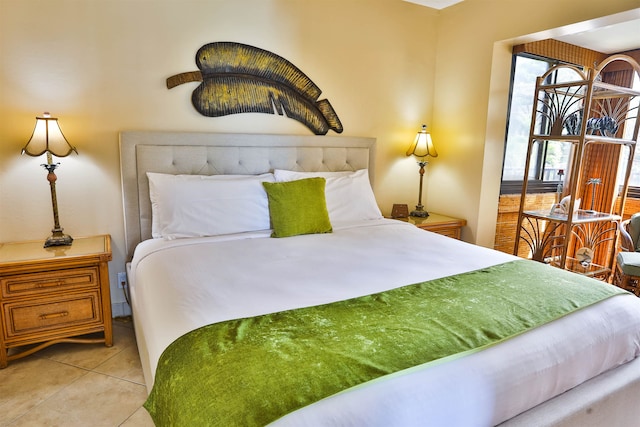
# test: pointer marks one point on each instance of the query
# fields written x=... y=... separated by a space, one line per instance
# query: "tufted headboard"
x=217 y=153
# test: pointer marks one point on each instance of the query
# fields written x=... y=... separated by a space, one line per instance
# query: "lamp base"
x=419 y=212
x=58 y=238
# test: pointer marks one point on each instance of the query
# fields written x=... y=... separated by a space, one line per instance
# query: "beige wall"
x=101 y=66
x=387 y=66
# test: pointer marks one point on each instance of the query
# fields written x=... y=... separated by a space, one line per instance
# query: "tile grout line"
x=52 y=395
x=86 y=371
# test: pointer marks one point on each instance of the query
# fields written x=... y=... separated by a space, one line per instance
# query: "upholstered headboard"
x=216 y=153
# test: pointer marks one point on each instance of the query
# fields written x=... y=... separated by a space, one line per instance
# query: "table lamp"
x=48 y=138
x=422 y=147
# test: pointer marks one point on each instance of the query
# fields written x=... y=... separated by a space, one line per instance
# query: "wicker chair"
x=627 y=274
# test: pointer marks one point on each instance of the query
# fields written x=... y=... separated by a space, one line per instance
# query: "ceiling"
x=607 y=39
x=435 y=4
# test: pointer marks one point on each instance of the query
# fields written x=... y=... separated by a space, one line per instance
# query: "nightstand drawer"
x=441 y=224
x=30 y=317
x=446 y=231
x=41 y=283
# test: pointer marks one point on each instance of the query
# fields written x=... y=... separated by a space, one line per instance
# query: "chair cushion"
x=634 y=230
x=629 y=263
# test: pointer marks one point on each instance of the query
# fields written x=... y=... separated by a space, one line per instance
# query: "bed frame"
x=609 y=399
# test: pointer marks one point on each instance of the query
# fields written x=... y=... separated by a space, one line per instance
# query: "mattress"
x=183 y=284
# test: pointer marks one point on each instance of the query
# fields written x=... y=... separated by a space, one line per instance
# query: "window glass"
x=547 y=158
x=525 y=72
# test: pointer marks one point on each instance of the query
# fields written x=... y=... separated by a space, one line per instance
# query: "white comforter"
x=180 y=285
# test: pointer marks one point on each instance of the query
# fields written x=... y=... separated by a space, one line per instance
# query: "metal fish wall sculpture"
x=238 y=78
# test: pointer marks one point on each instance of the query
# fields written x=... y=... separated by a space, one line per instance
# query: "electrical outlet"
x=122 y=279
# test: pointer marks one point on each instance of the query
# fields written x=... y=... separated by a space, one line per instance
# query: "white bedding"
x=225 y=277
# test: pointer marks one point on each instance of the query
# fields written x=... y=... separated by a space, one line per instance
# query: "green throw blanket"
x=249 y=372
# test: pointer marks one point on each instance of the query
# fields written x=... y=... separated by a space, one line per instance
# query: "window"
x=548 y=158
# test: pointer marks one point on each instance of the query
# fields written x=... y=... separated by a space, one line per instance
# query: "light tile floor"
x=77 y=385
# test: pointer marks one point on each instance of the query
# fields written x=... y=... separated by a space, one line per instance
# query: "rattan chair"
x=627 y=273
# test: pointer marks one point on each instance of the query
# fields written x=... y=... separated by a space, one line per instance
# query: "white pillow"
x=349 y=195
x=202 y=205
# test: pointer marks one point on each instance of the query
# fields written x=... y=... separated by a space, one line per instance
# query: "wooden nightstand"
x=441 y=224
x=52 y=295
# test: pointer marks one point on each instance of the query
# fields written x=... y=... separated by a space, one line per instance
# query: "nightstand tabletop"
x=34 y=250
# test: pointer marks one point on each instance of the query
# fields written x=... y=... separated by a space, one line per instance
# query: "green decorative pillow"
x=298 y=207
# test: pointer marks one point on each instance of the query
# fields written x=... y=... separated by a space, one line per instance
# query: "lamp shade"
x=47 y=137
x=422 y=146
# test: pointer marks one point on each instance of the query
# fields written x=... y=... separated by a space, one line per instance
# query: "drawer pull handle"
x=50 y=284
x=54 y=315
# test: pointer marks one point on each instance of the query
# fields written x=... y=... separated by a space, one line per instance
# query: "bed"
x=241 y=307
